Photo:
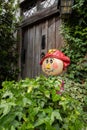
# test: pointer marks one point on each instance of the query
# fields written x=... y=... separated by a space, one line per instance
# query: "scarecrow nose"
x=48 y=66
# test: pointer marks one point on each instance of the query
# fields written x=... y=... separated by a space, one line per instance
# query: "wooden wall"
x=36 y=41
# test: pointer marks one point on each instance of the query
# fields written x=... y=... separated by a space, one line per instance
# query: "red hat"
x=53 y=53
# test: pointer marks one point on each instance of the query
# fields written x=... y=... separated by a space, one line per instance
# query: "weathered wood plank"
x=37 y=50
x=33 y=49
x=29 y=54
x=40 y=16
x=45 y=34
x=59 y=37
x=19 y=46
x=51 y=34
x=24 y=54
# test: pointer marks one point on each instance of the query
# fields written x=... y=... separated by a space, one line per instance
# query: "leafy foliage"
x=77 y=91
x=33 y=104
x=74 y=31
x=8 y=50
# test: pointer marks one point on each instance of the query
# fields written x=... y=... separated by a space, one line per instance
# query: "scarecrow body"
x=53 y=64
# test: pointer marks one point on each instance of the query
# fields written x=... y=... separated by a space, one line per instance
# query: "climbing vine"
x=74 y=30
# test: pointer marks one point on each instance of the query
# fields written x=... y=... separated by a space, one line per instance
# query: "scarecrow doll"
x=53 y=64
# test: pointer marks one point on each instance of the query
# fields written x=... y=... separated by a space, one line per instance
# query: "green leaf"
x=55 y=96
x=6 y=107
x=7 y=94
x=26 y=101
x=13 y=128
x=42 y=121
x=55 y=115
x=49 y=127
x=47 y=93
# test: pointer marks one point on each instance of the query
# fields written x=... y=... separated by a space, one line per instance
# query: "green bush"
x=33 y=104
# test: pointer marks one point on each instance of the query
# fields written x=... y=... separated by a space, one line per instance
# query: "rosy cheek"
x=44 y=66
x=55 y=65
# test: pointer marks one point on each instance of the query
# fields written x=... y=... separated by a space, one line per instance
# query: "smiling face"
x=52 y=66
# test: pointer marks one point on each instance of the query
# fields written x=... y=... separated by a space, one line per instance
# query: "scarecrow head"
x=54 y=62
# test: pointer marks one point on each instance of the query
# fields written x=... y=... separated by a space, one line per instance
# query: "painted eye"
x=51 y=61
x=47 y=61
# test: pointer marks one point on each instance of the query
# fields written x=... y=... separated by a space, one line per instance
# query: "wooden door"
x=37 y=40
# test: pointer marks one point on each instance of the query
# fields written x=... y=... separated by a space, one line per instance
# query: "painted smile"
x=49 y=70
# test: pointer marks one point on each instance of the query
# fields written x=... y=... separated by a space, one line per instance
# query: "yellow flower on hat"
x=51 y=50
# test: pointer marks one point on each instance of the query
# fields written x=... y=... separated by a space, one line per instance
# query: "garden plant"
x=33 y=104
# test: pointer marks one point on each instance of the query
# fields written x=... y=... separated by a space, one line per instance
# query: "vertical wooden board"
x=45 y=32
x=46 y=36
x=24 y=50
x=29 y=57
x=19 y=37
x=59 y=37
x=51 y=33
x=37 y=44
x=44 y=27
x=33 y=49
